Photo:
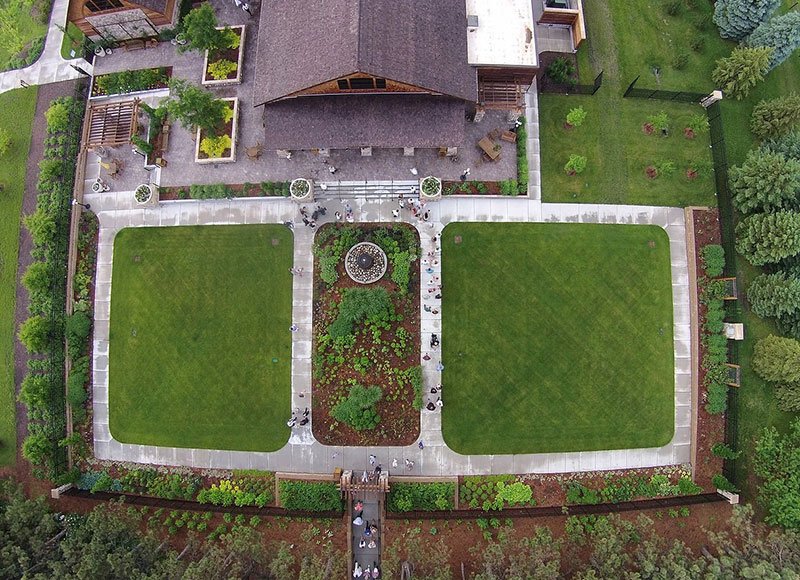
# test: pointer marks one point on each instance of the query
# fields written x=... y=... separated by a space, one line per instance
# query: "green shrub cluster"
x=494 y=492
x=310 y=496
x=715 y=355
x=49 y=228
x=713 y=257
x=248 y=489
x=329 y=247
x=212 y=191
x=369 y=305
x=358 y=409
x=406 y=497
x=630 y=487
x=402 y=248
x=159 y=484
x=130 y=81
x=28 y=56
x=522 y=157
x=275 y=188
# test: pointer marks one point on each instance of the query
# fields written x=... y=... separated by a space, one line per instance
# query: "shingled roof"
x=303 y=43
x=351 y=121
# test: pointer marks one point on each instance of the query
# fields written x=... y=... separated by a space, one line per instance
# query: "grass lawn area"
x=618 y=152
x=200 y=351
x=16 y=116
x=570 y=346
x=73 y=40
x=26 y=26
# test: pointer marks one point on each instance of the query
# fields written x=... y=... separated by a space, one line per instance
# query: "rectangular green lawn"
x=557 y=337
x=200 y=348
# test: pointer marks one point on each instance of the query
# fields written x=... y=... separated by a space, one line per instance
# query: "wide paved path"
x=303 y=453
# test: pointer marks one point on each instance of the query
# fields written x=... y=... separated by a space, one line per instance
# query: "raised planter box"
x=235 y=55
x=130 y=82
x=230 y=129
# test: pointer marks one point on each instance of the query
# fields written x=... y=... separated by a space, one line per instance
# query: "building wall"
x=78 y=14
x=332 y=88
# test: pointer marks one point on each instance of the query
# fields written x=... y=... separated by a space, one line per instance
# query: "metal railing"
x=662 y=95
x=548 y=86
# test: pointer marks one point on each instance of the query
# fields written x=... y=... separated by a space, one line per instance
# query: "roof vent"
x=472 y=21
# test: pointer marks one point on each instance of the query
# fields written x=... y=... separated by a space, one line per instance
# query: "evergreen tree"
x=769 y=238
x=788 y=145
x=737 y=74
x=774 y=295
x=777 y=359
x=788 y=397
x=777 y=462
x=765 y=182
x=776 y=117
x=782 y=34
x=738 y=18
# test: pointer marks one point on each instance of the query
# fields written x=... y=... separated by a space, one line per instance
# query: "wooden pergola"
x=111 y=124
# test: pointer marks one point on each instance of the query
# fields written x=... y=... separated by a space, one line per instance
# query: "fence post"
x=630 y=87
x=598 y=82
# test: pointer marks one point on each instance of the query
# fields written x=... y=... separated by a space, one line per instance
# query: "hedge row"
x=311 y=496
x=406 y=497
x=715 y=342
x=43 y=334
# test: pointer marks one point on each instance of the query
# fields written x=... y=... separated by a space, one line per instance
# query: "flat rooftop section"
x=504 y=35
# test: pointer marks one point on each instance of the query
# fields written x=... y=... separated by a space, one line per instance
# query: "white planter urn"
x=302 y=189
x=430 y=188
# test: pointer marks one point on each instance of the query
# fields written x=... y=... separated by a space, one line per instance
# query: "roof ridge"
x=359 y=32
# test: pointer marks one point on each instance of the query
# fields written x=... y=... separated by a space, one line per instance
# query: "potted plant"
x=144 y=193
x=301 y=189
x=430 y=187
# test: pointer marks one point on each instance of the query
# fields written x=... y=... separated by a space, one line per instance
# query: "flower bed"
x=220 y=148
x=225 y=66
x=434 y=496
x=221 y=191
x=310 y=496
x=130 y=81
x=507 y=187
x=366 y=383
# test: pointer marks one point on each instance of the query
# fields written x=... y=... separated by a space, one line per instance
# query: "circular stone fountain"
x=365 y=263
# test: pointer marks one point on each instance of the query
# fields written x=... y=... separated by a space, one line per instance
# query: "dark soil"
x=399 y=424
x=651 y=172
x=688 y=133
x=710 y=428
x=648 y=128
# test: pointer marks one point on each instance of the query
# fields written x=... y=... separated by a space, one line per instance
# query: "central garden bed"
x=558 y=338
x=366 y=375
x=200 y=348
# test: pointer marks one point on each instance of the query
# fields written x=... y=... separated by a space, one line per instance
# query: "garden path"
x=117 y=210
x=50 y=67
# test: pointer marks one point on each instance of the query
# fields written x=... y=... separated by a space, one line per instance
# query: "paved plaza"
x=117 y=210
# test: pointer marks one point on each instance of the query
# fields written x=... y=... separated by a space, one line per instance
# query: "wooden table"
x=489 y=147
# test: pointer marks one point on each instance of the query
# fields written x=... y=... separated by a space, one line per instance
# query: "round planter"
x=301 y=189
x=365 y=263
x=430 y=187
x=144 y=193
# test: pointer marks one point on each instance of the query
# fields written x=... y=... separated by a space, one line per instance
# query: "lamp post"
x=84 y=205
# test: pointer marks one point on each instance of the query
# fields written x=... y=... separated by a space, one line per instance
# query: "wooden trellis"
x=112 y=124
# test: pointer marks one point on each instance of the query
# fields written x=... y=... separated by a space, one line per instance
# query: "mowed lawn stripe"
x=197 y=316
x=556 y=337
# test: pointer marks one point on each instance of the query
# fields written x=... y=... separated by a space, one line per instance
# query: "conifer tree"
x=765 y=182
x=736 y=19
x=781 y=33
x=775 y=117
x=737 y=74
x=774 y=295
x=768 y=238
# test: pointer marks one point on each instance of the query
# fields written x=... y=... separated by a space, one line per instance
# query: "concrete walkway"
x=117 y=210
x=50 y=68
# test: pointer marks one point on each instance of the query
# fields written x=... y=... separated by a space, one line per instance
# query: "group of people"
x=310 y=220
x=415 y=206
x=368 y=539
x=298 y=419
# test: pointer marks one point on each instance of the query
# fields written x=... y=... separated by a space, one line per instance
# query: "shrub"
x=34 y=334
x=698 y=43
x=414 y=376
x=724 y=451
x=215 y=147
x=252 y=489
x=561 y=71
x=577 y=493
x=777 y=462
x=361 y=304
x=576 y=116
x=401 y=270
x=220 y=69
x=517 y=493
x=37 y=449
x=522 y=157
x=788 y=397
x=575 y=165
x=777 y=359
x=687 y=487
x=659 y=121
x=57 y=117
x=406 y=497
x=310 y=496
x=716 y=398
x=673 y=7
x=722 y=483
x=79 y=325
x=358 y=410
x=713 y=257
x=775 y=117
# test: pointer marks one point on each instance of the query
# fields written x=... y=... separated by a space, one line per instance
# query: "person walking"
x=372 y=459
x=421 y=445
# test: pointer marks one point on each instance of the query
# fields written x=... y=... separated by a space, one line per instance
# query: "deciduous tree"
x=195 y=107
x=737 y=74
x=769 y=238
x=200 y=29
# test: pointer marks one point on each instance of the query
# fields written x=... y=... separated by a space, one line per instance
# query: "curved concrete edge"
x=49 y=67
x=117 y=210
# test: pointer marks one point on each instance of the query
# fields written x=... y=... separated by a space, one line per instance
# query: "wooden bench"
x=509 y=136
x=137 y=44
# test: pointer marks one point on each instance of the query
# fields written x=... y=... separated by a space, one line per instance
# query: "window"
x=362 y=84
x=100 y=5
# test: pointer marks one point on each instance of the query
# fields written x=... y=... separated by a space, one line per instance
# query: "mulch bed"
x=710 y=428
x=237 y=190
x=474 y=188
x=227 y=129
x=399 y=423
x=231 y=54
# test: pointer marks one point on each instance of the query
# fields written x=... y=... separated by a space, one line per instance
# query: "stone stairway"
x=369 y=189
